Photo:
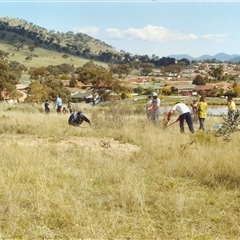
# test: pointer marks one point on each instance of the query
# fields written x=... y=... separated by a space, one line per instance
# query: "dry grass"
x=45 y=57
x=121 y=178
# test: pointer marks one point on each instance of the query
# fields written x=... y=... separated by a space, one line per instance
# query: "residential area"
x=182 y=83
x=167 y=83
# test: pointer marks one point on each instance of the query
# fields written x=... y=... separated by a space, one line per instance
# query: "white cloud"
x=149 y=33
x=215 y=37
x=92 y=31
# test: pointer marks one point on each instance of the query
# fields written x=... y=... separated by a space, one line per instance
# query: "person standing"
x=58 y=104
x=194 y=110
x=149 y=107
x=231 y=109
x=202 y=107
x=184 y=115
x=70 y=107
x=47 y=107
x=155 y=107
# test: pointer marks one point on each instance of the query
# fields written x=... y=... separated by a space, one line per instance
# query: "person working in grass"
x=149 y=107
x=184 y=115
x=202 y=107
x=155 y=107
x=231 y=108
x=77 y=118
x=47 y=107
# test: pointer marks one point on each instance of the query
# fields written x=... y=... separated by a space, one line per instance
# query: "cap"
x=154 y=94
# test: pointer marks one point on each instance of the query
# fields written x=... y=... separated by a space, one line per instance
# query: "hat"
x=154 y=94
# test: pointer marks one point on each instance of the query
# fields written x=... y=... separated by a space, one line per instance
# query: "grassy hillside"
x=15 y=31
x=45 y=57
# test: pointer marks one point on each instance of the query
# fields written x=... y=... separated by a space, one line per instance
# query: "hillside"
x=21 y=34
x=42 y=57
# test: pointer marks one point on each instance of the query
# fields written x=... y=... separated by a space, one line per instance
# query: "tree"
x=18 y=43
x=31 y=47
x=185 y=60
x=120 y=69
x=37 y=92
x=237 y=90
x=9 y=77
x=146 y=68
x=73 y=82
x=56 y=87
x=199 y=80
x=166 y=91
x=139 y=90
x=3 y=54
x=38 y=73
x=217 y=73
x=100 y=79
x=49 y=89
x=65 y=56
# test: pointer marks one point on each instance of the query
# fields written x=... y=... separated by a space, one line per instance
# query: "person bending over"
x=77 y=118
x=184 y=115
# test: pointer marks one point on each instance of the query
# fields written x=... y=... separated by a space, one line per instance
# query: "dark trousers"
x=59 y=108
x=201 y=122
x=188 y=117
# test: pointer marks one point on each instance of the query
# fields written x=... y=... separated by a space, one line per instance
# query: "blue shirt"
x=58 y=102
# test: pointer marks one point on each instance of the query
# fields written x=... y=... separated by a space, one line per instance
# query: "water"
x=217 y=110
x=212 y=110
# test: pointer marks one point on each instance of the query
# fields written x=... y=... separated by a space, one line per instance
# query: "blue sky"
x=141 y=27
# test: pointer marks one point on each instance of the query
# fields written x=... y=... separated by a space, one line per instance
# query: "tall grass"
x=121 y=178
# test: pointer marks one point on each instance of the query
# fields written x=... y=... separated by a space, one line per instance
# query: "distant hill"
x=218 y=57
x=18 y=31
x=181 y=56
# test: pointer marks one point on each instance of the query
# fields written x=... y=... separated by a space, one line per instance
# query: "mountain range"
x=219 y=57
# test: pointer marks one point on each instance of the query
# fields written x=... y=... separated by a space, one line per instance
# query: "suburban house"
x=86 y=97
x=185 y=89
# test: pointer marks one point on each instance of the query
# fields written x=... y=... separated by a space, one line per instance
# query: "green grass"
x=121 y=178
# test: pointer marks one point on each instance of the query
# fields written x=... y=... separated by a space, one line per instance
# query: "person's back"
x=181 y=108
x=184 y=115
x=77 y=118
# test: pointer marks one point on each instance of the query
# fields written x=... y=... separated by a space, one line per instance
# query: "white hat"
x=154 y=94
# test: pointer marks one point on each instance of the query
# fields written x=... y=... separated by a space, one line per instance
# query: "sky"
x=153 y=27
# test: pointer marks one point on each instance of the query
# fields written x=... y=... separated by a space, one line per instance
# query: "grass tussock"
x=121 y=178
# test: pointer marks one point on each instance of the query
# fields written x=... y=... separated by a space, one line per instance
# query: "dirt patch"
x=107 y=145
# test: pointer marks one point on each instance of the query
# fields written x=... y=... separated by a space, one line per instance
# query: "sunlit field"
x=121 y=178
x=42 y=57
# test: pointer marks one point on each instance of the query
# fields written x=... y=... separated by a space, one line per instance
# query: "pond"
x=212 y=110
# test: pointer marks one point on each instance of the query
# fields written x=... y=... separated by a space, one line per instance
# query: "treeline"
x=48 y=82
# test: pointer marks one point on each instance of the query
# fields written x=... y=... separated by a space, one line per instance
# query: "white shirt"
x=156 y=102
x=181 y=108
